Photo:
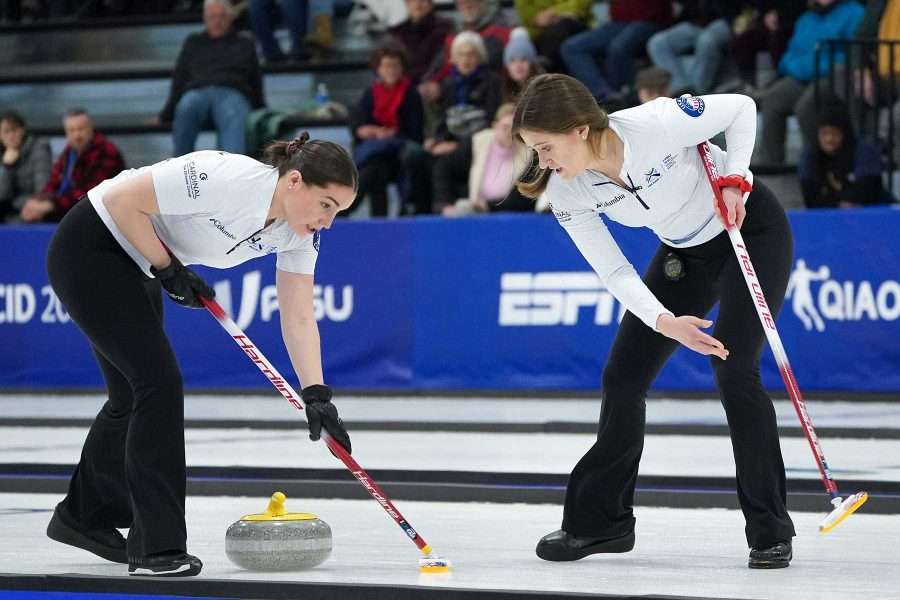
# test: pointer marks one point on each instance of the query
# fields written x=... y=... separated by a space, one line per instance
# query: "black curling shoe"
x=165 y=564
x=775 y=557
x=108 y=544
x=563 y=546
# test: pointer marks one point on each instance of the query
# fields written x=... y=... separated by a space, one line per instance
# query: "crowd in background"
x=436 y=121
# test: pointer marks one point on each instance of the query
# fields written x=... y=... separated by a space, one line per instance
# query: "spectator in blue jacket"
x=793 y=92
x=841 y=170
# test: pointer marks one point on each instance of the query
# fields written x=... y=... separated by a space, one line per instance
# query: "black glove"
x=183 y=285
x=321 y=412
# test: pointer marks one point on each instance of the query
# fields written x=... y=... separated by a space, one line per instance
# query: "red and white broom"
x=843 y=507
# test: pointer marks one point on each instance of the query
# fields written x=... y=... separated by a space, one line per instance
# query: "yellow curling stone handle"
x=276 y=512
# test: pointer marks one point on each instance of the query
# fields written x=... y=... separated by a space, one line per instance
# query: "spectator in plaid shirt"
x=87 y=159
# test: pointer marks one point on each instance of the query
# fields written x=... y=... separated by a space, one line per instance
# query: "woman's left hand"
x=734 y=203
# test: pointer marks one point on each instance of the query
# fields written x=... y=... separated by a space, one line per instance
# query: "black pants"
x=374 y=177
x=600 y=493
x=132 y=471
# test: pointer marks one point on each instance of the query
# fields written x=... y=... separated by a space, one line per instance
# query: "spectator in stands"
x=652 y=83
x=703 y=32
x=296 y=14
x=520 y=64
x=25 y=167
x=765 y=27
x=423 y=35
x=841 y=170
x=492 y=171
x=87 y=159
x=388 y=117
x=469 y=95
x=793 y=92
x=616 y=43
x=551 y=22
x=484 y=17
x=217 y=79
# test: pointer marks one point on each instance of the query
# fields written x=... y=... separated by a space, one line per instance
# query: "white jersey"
x=667 y=188
x=212 y=211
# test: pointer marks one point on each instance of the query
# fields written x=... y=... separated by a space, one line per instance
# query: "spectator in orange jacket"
x=88 y=159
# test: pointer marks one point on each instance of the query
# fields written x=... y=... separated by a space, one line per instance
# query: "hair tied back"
x=294 y=147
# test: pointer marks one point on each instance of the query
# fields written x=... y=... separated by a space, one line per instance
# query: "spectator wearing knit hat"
x=551 y=22
x=840 y=170
x=520 y=64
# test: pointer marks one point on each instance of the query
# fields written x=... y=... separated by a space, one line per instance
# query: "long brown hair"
x=320 y=162
x=554 y=103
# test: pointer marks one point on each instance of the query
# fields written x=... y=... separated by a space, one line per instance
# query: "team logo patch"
x=652 y=176
x=316 y=237
x=691 y=105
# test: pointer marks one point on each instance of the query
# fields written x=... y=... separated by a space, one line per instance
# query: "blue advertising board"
x=493 y=303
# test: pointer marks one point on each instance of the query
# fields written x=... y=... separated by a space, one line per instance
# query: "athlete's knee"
x=734 y=376
x=620 y=383
x=164 y=381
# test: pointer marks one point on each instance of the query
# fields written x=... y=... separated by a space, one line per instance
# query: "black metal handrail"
x=849 y=62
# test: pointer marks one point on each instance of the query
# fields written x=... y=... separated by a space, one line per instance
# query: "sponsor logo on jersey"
x=691 y=105
x=668 y=162
x=652 y=176
x=192 y=179
x=221 y=227
x=839 y=300
x=549 y=299
x=563 y=216
x=256 y=243
x=615 y=200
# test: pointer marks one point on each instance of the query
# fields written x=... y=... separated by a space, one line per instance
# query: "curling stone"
x=277 y=540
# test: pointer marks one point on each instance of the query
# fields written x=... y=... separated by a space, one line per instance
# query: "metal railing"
x=867 y=81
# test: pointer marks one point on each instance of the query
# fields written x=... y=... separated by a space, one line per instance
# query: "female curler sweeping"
x=108 y=261
x=640 y=167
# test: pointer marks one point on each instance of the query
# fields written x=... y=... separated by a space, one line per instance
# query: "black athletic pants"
x=600 y=493
x=131 y=472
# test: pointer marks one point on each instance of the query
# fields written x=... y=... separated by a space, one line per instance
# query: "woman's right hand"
x=686 y=330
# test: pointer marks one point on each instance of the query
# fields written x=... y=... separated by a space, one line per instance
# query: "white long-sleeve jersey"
x=667 y=188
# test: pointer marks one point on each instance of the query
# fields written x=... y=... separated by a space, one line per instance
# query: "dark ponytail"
x=320 y=162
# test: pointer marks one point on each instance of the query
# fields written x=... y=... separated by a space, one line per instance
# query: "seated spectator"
x=387 y=118
x=703 y=32
x=520 y=64
x=840 y=171
x=217 y=80
x=25 y=167
x=422 y=35
x=767 y=29
x=615 y=43
x=551 y=22
x=491 y=174
x=296 y=14
x=469 y=95
x=793 y=92
x=484 y=17
x=87 y=160
x=652 y=83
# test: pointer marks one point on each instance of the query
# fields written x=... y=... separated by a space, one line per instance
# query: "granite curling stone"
x=277 y=540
